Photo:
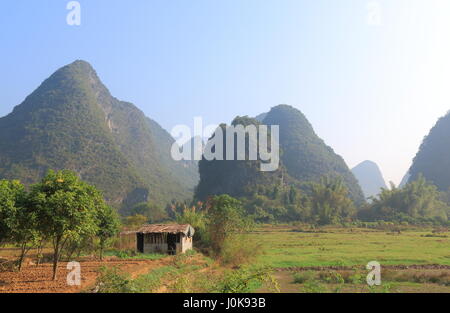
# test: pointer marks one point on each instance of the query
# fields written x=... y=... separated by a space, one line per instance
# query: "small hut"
x=164 y=238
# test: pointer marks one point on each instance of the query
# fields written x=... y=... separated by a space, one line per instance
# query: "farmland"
x=333 y=259
x=304 y=259
x=293 y=247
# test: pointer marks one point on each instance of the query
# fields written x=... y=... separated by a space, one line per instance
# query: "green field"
x=339 y=256
x=286 y=246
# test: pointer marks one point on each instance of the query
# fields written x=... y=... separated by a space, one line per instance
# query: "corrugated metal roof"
x=167 y=228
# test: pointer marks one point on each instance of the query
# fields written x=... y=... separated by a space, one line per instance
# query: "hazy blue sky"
x=371 y=90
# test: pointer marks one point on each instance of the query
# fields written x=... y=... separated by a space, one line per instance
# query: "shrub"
x=113 y=280
x=302 y=277
x=246 y=279
x=313 y=286
x=238 y=250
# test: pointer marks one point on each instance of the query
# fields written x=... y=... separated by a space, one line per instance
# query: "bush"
x=238 y=250
x=113 y=280
x=247 y=279
x=313 y=286
x=302 y=277
x=124 y=254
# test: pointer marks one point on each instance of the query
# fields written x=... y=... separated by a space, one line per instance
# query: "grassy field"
x=286 y=246
x=338 y=257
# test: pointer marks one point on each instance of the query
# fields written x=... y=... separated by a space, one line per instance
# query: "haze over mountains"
x=370 y=178
x=72 y=122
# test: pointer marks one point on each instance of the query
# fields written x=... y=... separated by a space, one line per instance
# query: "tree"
x=330 y=201
x=65 y=208
x=225 y=219
x=18 y=222
x=108 y=226
x=416 y=200
x=10 y=194
x=25 y=231
x=195 y=217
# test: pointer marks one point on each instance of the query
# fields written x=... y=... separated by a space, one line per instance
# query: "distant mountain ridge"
x=370 y=178
x=71 y=121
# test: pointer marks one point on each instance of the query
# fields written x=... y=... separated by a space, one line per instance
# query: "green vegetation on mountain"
x=306 y=156
x=311 y=184
x=235 y=177
x=433 y=158
x=72 y=122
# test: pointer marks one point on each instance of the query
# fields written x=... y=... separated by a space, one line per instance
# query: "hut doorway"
x=172 y=243
x=140 y=243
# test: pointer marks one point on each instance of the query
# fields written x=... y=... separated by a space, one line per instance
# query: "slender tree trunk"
x=39 y=252
x=23 y=251
x=101 y=249
x=56 y=257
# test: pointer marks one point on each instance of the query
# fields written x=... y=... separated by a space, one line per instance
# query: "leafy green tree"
x=197 y=218
x=108 y=226
x=18 y=222
x=417 y=199
x=65 y=208
x=11 y=193
x=330 y=201
x=225 y=219
x=25 y=232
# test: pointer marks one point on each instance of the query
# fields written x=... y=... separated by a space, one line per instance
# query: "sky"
x=372 y=76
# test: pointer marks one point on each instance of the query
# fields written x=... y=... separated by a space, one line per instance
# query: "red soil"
x=38 y=279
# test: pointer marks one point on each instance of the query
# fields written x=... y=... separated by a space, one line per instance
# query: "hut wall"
x=158 y=243
x=155 y=243
x=186 y=244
